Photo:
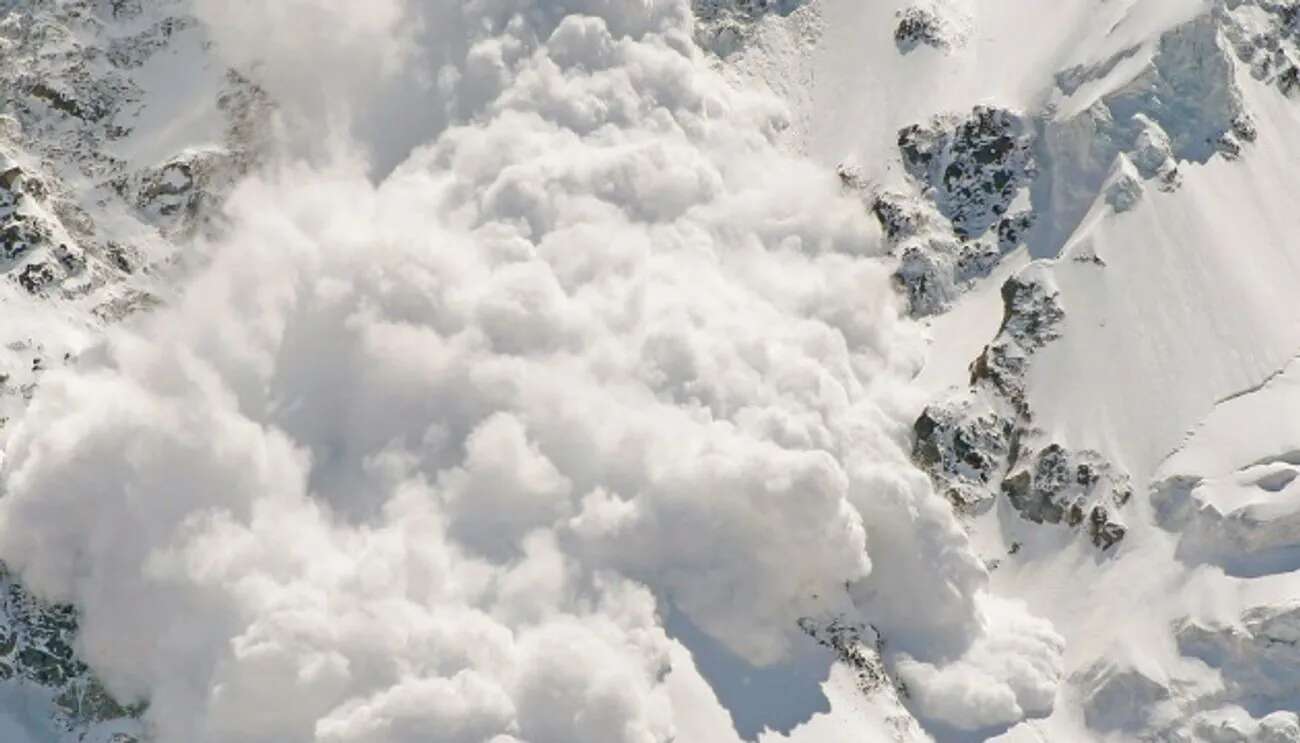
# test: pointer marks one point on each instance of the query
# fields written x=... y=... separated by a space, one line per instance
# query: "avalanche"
x=613 y=370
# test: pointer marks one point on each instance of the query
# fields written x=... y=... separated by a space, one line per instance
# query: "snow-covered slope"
x=610 y=370
x=1157 y=311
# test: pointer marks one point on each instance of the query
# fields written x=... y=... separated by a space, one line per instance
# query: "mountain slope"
x=1165 y=251
x=702 y=371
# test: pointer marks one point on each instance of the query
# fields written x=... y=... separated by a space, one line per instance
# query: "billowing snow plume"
x=434 y=454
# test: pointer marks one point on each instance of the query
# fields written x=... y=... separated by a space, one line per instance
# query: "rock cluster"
x=981 y=442
x=36 y=647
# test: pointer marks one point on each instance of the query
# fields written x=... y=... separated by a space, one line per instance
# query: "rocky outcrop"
x=927 y=25
x=965 y=446
x=1078 y=489
x=1030 y=320
x=1265 y=35
x=981 y=442
x=856 y=645
x=1183 y=106
x=37 y=642
x=974 y=167
x=966 y=206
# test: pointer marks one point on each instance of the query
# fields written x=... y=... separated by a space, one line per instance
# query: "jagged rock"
x=21 y=229
x=923 y=25
x=926 y=276
x=180 y=194
x=125 y=305
x=901 y=217
x=72 y=96
x=36 y=647
x=975 y=166
x=37 y=277
x=856 y=645
x=1185 y=105
x=1124 y=188
x=934 y=266
x=982 y=443
x=1031 y=312
x=1031 y=317
x=1265 y=34
x=968 y=174
x=1078 y=489
x=964 y=450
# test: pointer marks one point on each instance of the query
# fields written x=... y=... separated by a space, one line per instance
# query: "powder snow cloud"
x=431 y=450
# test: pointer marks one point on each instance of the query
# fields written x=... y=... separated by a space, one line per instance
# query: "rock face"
x=927 y=25
x=1266 y=37
x=967 y=205
x=856 y=645
x=1079 y=489
x=1031 y=318
x=965 y=445
x=981 y=442
x=1183 y=106
x=860 y=648
x=980 y=192
x=71 y=132
x=974 y=166
x=37 y=648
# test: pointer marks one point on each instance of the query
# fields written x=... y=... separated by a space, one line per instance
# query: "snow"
x=565 y=351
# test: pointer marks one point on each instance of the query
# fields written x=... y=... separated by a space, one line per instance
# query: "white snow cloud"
x=1010 y=672
x=427 y=453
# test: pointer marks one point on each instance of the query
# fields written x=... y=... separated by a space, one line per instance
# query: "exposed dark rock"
x=36 y=646
x=899 y=217
x=858 y=646
x=964 y=450
x=976 y=166
x=1057 y=486
x=982 y=442
x=1030 y=320
x=969 y=173
x=36 y=277
x=921 y=26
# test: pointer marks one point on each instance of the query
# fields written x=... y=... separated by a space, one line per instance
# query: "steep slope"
x=577 y=368
x=1157 y=175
